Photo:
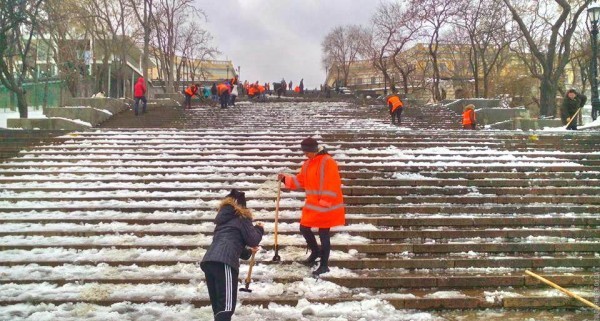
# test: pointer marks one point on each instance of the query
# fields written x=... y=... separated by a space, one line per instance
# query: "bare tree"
x=145 y=20
x=174 y=16
x=490 y=32
x=436 y=15
x=59 y=32
x=393 y=28
x=106 y=21
x=196 y=48
x=18 y=24
x=547 y=30
x=341 y=48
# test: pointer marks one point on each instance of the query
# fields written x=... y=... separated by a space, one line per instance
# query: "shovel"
x=572 y=118
x=249 y=277
x=276 y=257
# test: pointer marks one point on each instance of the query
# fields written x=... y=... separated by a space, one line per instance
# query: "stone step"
x=566 y=200
x=105 y=217
x=85 y=243
x=52 y=182
x=352 y=190
x=423 y=300
x=399 y=209
x=118 y=258
x=414 y=281
x=423 y=177
x=590 y=189
x=443 y=234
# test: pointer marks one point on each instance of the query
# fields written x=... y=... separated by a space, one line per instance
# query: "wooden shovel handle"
x=567 y=292
x=277 y=212
x=249 y=276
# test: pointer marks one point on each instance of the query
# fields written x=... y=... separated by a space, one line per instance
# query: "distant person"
x=290 y=87
x=189 y=92
x=139 y=93
x=213 y=92
x=301 y=86
x=206 y=92
x=234 y=94
x=469 y=120
x=395 y=106
x=572 y=102
x=223 y=90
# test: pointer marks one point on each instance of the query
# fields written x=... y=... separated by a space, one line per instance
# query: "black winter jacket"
x=233 y=232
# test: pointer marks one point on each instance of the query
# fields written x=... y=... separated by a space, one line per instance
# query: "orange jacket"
x=261 y=89
x=469 y=117
x=252 y=91
x=394 y=102
x=221 y=89
x=191 y=90
x=320 y=179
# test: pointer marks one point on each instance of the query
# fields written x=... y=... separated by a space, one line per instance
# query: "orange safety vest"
x=261 y=89
x=468 y=117
x=191 y=90
x=320 y=178
x=252 y=91
x=222 y=88
x=395 y=101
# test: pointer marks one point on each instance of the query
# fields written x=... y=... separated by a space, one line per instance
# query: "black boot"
x=312 y=258
x=311 y=242
x=323 y=268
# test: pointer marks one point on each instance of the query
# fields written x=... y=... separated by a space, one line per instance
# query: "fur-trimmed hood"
x=229 y=209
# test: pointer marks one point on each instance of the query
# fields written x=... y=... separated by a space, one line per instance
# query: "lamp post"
x=594 y=15
x=228 y=71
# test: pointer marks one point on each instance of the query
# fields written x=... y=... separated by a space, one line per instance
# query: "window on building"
x=358 y=81
x=373 y=80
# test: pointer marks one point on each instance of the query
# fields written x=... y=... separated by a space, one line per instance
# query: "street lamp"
x=594 y=15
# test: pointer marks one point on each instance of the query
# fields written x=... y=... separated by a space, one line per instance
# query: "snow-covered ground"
x=6 y=114
x=212 y=166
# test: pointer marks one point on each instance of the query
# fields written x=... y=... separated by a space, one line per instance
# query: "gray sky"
x=271 y=39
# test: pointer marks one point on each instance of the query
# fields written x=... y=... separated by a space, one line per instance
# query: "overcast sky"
x=274 y=39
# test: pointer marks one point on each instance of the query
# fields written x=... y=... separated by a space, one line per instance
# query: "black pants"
x=188 y=101
x=573 y=124
x=397 y=114
x=311 y=241
x=224 y=100
x=136 y=104
x=222 y=282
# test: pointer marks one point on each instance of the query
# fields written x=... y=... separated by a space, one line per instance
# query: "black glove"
x=246 y=254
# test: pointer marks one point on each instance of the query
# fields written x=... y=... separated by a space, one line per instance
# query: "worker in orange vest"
x=189 y=92
x=324 y=205
x=223 y=90
x=395 y=105
x=469 y=120
x=252 y=91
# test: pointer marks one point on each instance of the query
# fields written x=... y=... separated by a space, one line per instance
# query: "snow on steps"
x=158 y=215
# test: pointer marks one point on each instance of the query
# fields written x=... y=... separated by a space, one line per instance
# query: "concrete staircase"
x=436 y=219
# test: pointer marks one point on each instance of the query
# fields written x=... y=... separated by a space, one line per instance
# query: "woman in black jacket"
x=233 y=232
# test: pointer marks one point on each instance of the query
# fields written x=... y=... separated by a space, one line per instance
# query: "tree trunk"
x=21 y=102
x=547 y=98
x=404 y=81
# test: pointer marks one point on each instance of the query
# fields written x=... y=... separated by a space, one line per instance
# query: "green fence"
x=35 y=95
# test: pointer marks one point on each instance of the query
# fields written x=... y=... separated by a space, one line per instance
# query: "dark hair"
x=239 y=197
x=571 y=91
